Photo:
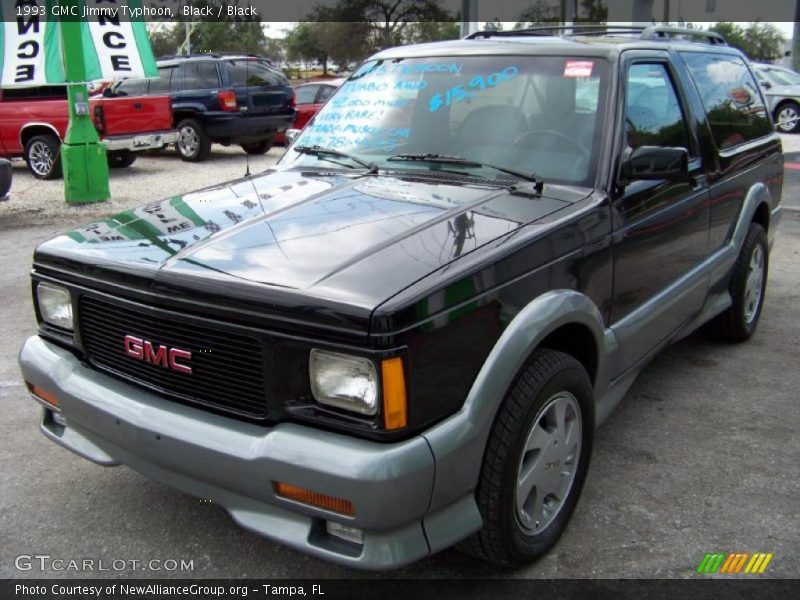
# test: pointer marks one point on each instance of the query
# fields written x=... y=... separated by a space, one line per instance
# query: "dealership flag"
x=115 y=45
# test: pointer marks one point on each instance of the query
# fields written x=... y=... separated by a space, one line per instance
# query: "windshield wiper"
x=320 y=152
x=466 y=162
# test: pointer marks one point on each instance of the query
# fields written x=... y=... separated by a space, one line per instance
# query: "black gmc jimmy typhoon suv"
x=404 y=335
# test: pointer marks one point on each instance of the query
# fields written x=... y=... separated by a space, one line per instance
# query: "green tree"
x=760 y=41
x=432 y=31
x=493 y=25
x=302 y=44
x=390 y=21
x=165 y=38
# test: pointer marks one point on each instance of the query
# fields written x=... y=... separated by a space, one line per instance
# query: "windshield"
x=533 y=114
x=782 y=76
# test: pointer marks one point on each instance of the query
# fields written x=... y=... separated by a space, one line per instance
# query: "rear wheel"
x=193 y=143
x=261 y=147
x=121 y=159
x=787 y=117
x=536 y=461
x=747 y=289
x=42 y=154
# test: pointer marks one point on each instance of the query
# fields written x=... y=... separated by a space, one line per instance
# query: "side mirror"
x=656 y=162
x=766 y=85
x=6 y=175
x=107 y=93
x=290 y=136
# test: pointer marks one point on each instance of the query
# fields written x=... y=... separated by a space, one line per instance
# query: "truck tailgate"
x=135 y=114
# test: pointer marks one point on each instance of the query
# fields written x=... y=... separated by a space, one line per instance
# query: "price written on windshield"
x=459 y=93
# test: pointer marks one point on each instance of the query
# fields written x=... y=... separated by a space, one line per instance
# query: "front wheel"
x=747 y=289
x=787 y=117
x=43 y=156
x=535 y=462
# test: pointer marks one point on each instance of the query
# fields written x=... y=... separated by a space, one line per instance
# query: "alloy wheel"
x=40 y=158
x=549 y=462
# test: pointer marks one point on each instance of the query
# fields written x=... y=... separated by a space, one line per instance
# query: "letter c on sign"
x=33 y=51
x=107 y=39
x=174 y=355
x=133 y=347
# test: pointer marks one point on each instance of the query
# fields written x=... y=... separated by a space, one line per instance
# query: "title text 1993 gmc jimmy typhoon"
x=403 y=336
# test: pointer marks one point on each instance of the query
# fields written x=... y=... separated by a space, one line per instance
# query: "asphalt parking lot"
x=702 y=455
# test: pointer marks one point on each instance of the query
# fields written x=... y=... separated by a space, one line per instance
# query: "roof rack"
x=652 y=32
x=215 y=55
x=655 y=32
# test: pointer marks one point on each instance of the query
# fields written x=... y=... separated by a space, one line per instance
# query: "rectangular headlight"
x=344 y=381
x=55 y=305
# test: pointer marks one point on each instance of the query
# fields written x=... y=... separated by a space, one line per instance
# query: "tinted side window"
x=48 y=91
x=305 y=94
x=325 y=92
x=252 y=72
x=653 y=112
x=130 y=87
x=167 y=81
x=730 y=96
x=200 y=76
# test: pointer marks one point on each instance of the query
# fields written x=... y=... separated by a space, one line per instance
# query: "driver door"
x=661 y=227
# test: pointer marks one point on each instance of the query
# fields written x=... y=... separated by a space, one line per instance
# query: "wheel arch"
x=30 y=130
x=562 y=320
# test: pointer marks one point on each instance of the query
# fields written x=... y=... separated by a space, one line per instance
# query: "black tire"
x=121 y=159
x=788 y=111
x=503 y=540
x=740 y=320
x=38 y=148
x=193 y=143
x=261 y=147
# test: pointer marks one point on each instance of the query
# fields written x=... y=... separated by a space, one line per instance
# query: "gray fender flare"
x=458 y=443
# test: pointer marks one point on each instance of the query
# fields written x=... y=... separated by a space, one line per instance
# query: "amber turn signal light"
x=395 y=411
x=316 y=499
x=42 y=394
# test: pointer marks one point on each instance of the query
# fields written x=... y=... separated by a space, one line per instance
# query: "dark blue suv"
x=228 y=99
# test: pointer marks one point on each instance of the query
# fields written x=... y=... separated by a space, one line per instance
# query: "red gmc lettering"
x=175 y=354
x=157 y=357
x=133 y=347
x=163 y=356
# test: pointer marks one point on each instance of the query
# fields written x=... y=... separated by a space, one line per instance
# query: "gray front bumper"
x=234 y=464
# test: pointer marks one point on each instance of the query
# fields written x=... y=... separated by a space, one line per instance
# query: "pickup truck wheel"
x=535 y=462
x=261 y=147
x=120 y=160
x=788 y=113
x=193 y=143
x=747 y=289
x=42 y=154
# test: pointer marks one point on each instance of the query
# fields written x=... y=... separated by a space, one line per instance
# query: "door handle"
x=137 y=105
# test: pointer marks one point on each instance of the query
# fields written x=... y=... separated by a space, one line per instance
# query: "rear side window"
x=131 y=87
x=48 y=91
x=730 y=96
x=325 y=92
x=167 y=81
x=200 y=76
x=246 y=73
x=305 y=94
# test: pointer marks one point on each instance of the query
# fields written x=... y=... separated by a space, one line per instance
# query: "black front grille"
x=227 y=367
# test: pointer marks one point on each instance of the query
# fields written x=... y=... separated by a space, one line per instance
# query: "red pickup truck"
x=33 y=121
